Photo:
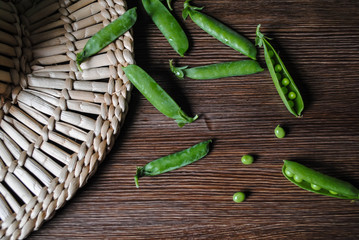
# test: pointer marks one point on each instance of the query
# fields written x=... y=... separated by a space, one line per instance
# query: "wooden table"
x=319 y=42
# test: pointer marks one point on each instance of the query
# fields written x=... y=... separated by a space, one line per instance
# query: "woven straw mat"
x=56 y=123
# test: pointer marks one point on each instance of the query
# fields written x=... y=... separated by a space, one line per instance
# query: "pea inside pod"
x=218 y=70
x=317 y=182
x=282 y=80
x=220 y=31
x=156 y=95
x=173 y=161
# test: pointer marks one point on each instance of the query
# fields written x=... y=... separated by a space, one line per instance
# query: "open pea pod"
x=283 y=82
x=317 y=182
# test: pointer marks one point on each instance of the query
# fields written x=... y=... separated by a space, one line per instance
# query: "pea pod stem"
x=218 y=70
x=288 y=91
x=156 y=95
x=317 y=182
x=167 y=24
x=107 y=35
x=173 y=161
x=220 y=31
x=169 y=5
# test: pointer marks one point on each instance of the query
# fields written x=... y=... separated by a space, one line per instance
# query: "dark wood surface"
x=319 y=42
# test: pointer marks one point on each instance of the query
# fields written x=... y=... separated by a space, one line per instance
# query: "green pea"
x=292 y=95
x=315 y=187
x=220 y=31
x=278 y=68
x=247 y=159
x=289 y=173
x=291 y=103
x=297 y=178
x=272 y=61
x=218 y=70
x=239 y=197
x=279 y=132
x=173 y=161
x=107 y=35
x=317 y=182
x=296 y=107
x=167 y=24
x=271 y=54
x=285 y=82
x=284 y=90
x=156 y=95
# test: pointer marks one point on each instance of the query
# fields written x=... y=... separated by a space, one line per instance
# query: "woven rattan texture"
x=56 y=123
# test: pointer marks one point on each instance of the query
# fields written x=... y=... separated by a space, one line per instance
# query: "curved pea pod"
x=220 y=31
x=282 y=80
x=107 y=35
x=218 y=70
x=317 y=182
x=156 y=95
x=167 y=24
x=173 y=161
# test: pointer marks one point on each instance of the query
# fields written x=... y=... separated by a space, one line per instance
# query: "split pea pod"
x=107 y=35
x=218 y=70
x=156 y=95
x=220 y=31
x=167 y=24
x=282 y=80
x=317 y=182
x=173 y=161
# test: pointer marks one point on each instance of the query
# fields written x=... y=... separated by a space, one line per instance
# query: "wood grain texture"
x=319 y=42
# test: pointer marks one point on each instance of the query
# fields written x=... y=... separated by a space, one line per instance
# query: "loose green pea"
x=278 y=68
x=239 y=197
x=292 y=95
x=279 y=132
x=247 y=159
x=285 y=82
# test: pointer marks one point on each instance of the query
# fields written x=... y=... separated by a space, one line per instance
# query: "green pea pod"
x=173 y=161
x=156 y=95
x=283 y=82
x=218 y=70
x=317 y=182
x=167 y=24
x=220 y=31
x=107 y=35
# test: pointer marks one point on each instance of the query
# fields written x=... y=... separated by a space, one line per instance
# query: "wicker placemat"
x=56 y=123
